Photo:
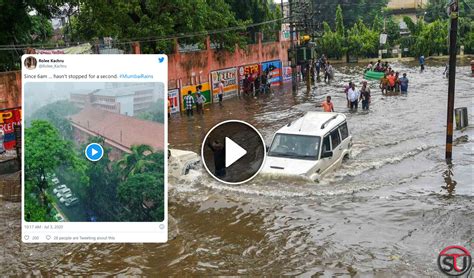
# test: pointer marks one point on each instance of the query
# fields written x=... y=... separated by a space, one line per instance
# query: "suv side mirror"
x=326 y=154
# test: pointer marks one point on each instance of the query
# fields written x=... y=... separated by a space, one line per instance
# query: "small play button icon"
x=233 y=152
x=94 y=152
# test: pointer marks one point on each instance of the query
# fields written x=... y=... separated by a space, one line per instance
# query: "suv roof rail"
x=323 y=126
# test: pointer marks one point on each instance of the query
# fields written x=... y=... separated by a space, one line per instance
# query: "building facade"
x=126 y=100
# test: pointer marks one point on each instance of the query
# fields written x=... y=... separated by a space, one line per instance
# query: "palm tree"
x=137 y=161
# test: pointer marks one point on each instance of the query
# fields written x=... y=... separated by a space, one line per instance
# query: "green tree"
x=146 y=20
x=100 y=194
x=256 y=11
x=432 y=39
x=339 y=22
x=331 y=43
x=45 y=154
x=143 y=196
x=45 y=151
x=136 y=161
x=366 y=10
x=362 y=41
x=155 y=113
x=24 y=22
x=56 y=113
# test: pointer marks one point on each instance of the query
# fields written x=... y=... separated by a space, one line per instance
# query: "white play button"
x=233 y=152
x=94 y=152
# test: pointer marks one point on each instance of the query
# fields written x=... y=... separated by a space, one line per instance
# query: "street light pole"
x=292 y=48
x=453 y=14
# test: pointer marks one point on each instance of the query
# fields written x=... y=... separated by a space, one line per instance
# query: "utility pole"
x=453 y=14
x=294 y=85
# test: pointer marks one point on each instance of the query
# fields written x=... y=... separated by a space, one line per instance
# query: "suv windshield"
x=295 y=146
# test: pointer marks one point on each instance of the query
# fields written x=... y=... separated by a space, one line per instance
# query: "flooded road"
x=383 y=213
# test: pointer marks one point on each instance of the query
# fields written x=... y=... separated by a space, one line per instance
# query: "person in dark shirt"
x=365 y=96
x=219 y=157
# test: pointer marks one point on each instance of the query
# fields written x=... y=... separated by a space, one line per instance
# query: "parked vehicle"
x=62 y=186
x=71 y=202
x=311 y=146
x=55 y=181
x=62 y=192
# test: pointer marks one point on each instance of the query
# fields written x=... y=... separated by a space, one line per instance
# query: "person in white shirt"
x=353 y=95
x=220 y=93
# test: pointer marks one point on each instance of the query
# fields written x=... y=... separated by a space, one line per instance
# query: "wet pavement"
x=384 y=213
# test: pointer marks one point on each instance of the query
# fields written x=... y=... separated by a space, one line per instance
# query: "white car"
x=62 y=192
x=71 y=202
x=311 y=146
x=62 y=186
x=55 y=181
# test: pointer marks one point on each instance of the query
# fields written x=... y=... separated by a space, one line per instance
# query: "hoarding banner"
x=9 y=118
x=273 y=70
x=173 y=97
x=287 y=74
x=253 y=71
x=229 y=78
x=205 y=90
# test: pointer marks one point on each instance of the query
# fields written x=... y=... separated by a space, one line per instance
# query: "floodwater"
x=384 y=213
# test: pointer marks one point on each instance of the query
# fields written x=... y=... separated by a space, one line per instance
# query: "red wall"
x=10 y=89
x=194 y=67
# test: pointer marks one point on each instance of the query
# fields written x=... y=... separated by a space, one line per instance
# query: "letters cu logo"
x=454 y=260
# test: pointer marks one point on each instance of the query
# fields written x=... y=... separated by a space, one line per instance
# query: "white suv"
x=311 y=146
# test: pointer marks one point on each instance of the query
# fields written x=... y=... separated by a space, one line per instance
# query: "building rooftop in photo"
x=120 y=129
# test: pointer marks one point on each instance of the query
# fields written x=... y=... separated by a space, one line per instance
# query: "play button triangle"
x=233 y=152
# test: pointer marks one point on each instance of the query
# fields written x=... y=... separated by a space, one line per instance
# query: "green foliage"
x=20 y=25
x=56 y=113
x=45 y=153
x=432 y=39
x=339 y=22
x=143 y=196
x=362 y=41
x=135 y=20
x=155 y=113
x=255 y=11
x=331 y=43
x=353 y=10
x=34 y=211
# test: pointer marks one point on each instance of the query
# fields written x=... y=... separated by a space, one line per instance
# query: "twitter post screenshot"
x=94 y=147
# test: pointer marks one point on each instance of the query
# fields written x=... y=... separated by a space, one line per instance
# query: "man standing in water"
x=220 y=93
x=365 y=96
x=219 y=157
x=346 y=90
x=328 y=73
x=353 y=94
x=421 y=60
x=200 y=100
x=404 y=84
x=327 y=105
x=188 y=103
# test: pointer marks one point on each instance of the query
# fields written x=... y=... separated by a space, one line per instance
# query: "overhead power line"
x=155 y=39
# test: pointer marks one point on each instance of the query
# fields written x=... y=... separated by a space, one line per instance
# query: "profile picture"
x=30 y=62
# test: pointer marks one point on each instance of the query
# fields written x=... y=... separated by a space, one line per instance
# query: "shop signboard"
x=229 y=78
x=173 y=97
x=252 y=70
x=273 y=69
x=9 y=118
x=205 y=90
